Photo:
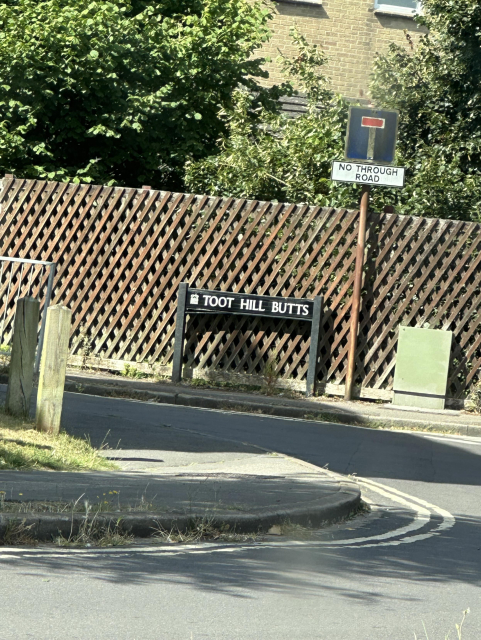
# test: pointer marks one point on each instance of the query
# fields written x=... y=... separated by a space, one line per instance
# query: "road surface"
x=414 y=561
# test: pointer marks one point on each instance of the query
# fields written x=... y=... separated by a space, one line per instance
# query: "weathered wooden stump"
x=52 y=369
x=22 y=360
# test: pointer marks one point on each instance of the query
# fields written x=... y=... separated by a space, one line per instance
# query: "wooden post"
x=179 y=332
x=356 y=293
x=22 y=360
x=314 y=347
x=52 y=369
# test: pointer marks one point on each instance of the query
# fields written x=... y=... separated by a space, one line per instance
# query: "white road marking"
x=448 y=519
x=448 y=438
x=422 y=516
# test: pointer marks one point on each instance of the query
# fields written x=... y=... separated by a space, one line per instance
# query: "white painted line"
x=448 y=519
x=454 y=439
x=398 y=536
x=421 y=518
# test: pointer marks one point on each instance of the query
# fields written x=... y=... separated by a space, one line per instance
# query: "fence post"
x=179 y=332
x=314 y=347
x=51 y=277
x=52 y=369
x=22 y=360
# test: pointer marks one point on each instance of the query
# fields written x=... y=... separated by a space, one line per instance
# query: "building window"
x=398 y=7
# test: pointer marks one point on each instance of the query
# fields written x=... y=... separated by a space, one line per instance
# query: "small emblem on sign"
x=194 y=298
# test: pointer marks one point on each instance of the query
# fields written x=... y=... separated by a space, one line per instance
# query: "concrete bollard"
x=22 y=360
x=52 y=369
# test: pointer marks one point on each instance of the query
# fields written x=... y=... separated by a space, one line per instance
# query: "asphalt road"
x=413 y=562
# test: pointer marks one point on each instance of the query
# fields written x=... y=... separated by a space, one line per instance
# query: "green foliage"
x=120 y=92
x=437 y=88
x=270 y=372
x=271 y=157
x=132 y=372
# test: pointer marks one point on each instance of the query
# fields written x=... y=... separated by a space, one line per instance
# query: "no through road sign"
x=371 y=135
x=373 y=174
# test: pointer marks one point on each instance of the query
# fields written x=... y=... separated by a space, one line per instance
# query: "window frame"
x=383 y=6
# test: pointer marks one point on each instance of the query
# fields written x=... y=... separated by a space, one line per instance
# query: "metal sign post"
x=370 y=149
x=356 y=292
x=192 y=301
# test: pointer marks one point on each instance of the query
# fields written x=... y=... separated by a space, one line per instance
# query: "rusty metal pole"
x=356 y=293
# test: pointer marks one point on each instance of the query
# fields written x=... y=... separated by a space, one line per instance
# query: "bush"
x=437 y=89
x=271 y=157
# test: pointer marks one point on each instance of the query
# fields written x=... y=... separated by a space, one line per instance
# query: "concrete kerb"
x=278 y=410
x=45 y=527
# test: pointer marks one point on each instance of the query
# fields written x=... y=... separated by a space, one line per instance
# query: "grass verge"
x=23 y=447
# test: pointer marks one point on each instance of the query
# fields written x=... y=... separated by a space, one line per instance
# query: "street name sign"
x=371 y=135
x=372 y=174
x=196 y=301
x=205 y=301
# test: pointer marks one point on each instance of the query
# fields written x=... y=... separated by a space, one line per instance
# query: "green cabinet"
x=422 y=365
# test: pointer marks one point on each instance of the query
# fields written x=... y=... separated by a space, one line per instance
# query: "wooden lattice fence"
x=122 y=253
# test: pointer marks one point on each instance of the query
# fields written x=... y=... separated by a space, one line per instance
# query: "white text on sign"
x=199 y=300
x=374 y=174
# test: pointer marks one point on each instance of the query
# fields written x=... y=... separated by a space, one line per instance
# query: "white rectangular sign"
x=378 y=174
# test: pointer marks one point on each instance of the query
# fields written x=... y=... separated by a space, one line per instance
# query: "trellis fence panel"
x=122 y=253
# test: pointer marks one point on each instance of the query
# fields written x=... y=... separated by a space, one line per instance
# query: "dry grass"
x=381 y=423
x=22 y=447
x=202 y=530
x=78 y=506
x=17 y=533
x=459 y=629
x=93 y=534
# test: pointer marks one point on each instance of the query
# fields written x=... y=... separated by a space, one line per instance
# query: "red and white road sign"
x=374 y=123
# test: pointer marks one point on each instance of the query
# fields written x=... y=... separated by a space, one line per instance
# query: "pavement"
x=171 y=477
x=325 y=409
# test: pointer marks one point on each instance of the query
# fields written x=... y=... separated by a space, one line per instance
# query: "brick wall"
x=350 y=31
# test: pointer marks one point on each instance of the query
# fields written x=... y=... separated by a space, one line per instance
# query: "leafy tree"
x=437 y=88
x=276 y=158
x=119 y=91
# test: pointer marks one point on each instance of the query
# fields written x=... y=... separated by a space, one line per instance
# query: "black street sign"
x=190 y=301
x=205 y=301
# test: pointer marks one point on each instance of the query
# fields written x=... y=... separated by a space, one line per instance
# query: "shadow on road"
x=372 y=453
x=357 y=574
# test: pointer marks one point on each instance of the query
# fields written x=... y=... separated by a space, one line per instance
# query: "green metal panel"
x=422 y=365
